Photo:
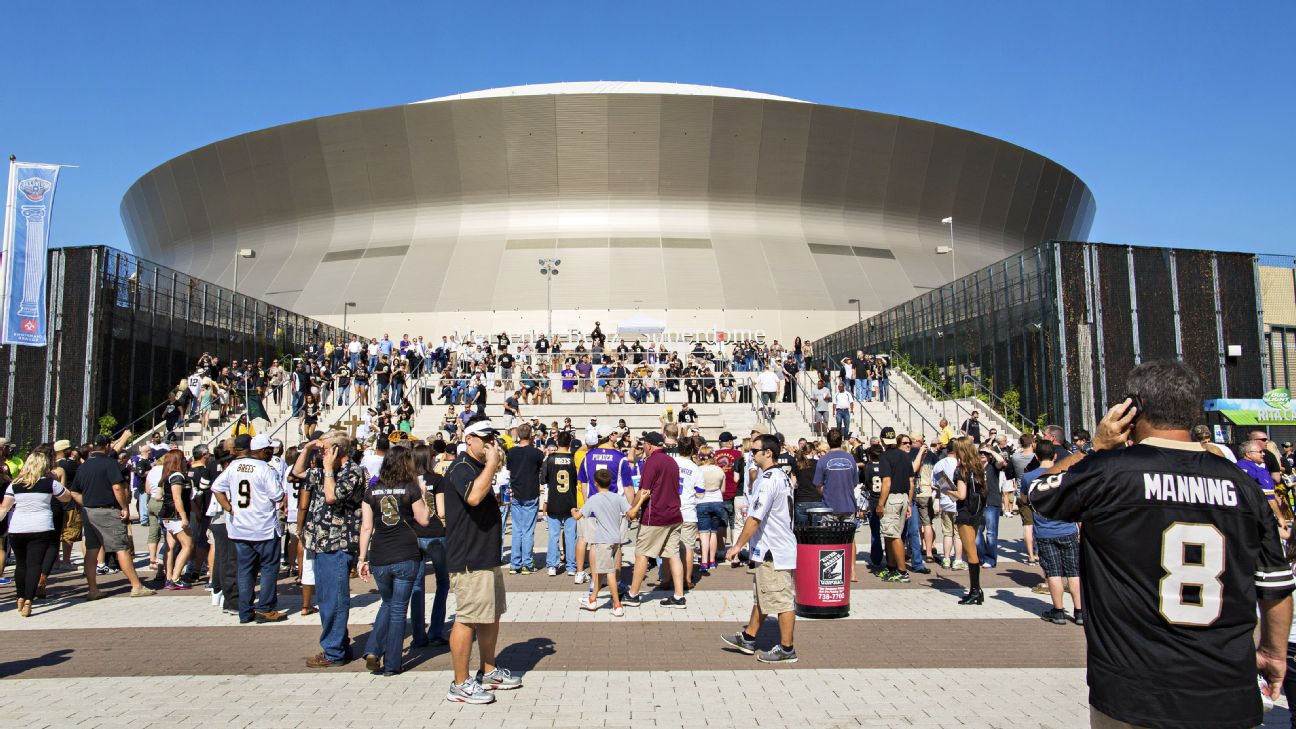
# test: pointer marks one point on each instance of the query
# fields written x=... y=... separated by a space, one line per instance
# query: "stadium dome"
x=698 y=206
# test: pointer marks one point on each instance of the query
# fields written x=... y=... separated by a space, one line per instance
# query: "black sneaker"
x=1079 y=617
x=1055 y=616
x=674 y=602
x=632 y=600
x=923 y=571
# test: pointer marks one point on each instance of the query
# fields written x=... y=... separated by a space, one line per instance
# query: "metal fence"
x=123 y=332
x=1053 y=330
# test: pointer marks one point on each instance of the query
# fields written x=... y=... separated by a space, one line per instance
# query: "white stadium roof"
x=611 y=87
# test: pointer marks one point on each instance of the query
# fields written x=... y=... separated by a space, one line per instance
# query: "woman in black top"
x=175 y=518
x=31 y=496
x=310 y=415
x=807 y=496
x=429 y=465
x=389 y=551
x=970 y=493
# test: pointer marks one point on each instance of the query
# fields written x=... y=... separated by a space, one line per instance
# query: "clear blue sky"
x=1179 y=115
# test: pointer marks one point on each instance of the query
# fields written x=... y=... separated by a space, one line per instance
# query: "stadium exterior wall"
x=697 y=209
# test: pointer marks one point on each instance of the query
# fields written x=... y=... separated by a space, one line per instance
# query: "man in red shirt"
x=729 y=459
x=659 y=530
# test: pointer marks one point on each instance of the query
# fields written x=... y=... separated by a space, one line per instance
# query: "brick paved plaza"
x=907 y=656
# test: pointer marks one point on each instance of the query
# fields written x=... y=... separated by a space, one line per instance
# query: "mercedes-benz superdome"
x=688 y=207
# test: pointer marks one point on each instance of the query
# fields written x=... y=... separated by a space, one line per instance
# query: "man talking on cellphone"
x=473 y=545
x=1178 y=548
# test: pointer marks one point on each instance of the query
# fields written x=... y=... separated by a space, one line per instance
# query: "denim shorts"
x=711 y=517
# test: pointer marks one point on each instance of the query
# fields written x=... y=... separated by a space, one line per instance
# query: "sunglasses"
x=905 y=442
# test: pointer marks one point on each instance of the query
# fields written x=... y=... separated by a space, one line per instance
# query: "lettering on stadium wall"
x=570 y=337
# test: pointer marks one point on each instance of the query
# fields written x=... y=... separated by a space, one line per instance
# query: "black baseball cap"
x=654 y=438
x=888 y=435
x=726 y=437
x=243 y=442
x=101 y=440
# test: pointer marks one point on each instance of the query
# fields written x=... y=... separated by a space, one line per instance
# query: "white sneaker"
x=587 y=604
x=553 y=571
x=960 y=564
x=618 y=612
x=469 y=692
x=579 y=578
x=217 y=598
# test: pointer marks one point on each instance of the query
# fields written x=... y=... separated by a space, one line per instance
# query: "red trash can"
x=825 y=564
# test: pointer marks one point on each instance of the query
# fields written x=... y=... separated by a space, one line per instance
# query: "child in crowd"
x=608 y=511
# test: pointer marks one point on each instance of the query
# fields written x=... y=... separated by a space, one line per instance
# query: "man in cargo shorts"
x=773 y=547
x=659 y=531
x=473 y=545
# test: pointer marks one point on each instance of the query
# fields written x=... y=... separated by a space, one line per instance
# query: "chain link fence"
x=123 y=332
x=1053 y=331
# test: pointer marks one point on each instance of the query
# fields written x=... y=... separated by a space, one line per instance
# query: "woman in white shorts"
x=175 y=518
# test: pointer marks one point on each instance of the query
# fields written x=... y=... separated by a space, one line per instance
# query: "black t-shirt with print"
x=393 y=539
x=473 y=535
x=435 y=528
x=560 y=479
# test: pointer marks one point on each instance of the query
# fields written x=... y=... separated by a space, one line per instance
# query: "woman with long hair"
x=430 y=467
x=175 y=518
x=31 y=531
x=970 y=495
x=389 y=551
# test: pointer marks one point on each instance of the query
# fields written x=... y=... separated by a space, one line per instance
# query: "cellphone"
x=1136 y=404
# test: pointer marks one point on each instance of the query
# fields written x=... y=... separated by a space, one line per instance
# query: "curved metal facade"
x=736 y=207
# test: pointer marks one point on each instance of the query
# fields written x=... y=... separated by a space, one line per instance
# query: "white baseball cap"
x=261 y=442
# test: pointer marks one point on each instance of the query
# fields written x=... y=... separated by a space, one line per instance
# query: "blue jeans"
x=395 y=584
x=254 y=557
x=382 y=389
x=355 y=361
x=803 y=510
x=862 y=390
x=333 y=595
x=141 y=503
x=988 y=537
x=298 y=398
x=913 y=538
x=877 y=555
x=524 y=520
x=884 y=385
x=344 y=394
x=563 y=527
x=843 y=422
x=433 y=549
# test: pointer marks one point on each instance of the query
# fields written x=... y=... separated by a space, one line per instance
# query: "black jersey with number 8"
x=1177 y=545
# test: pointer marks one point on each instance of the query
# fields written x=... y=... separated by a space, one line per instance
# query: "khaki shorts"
x=927 y=509
x=479 y=595
x=893 y=516
x=775 y=591
x=585 y=529
x=688 y=536
x=604 y=558
x=72 y=528
x=1027 y=512
x=947 y=523
x=658 y=541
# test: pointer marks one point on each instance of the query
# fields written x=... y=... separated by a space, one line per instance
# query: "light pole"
x=859 y=313
x=949 y=248
x=240 y=253
x=549 y=269
x=346 y=306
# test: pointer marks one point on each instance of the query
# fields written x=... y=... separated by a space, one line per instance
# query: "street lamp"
x=549 y=269
x=346 y=306
x=859 y=313
x=940 y=250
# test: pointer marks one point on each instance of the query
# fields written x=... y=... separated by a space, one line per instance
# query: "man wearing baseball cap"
x=473 y=545
x=659 y=530
x=252 y=493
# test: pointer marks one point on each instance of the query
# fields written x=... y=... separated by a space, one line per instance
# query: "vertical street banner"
x=29 y=200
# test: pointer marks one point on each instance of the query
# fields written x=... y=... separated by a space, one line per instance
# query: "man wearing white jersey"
x=251 y=492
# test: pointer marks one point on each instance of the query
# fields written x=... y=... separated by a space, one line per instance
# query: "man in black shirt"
x=895 y=501
x=525 y=462
x=557 y=501
x=473 y=545
x=1178 y=548
x=100 y=491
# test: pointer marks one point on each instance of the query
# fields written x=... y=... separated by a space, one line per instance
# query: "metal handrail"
x=996 y=402
x=925 y=385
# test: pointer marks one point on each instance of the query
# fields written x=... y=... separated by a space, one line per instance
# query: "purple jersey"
x=602 y=459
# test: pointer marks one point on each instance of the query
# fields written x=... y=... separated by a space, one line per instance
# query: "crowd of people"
x=386 y=506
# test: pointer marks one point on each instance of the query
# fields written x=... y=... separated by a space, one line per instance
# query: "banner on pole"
x=29 y=200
